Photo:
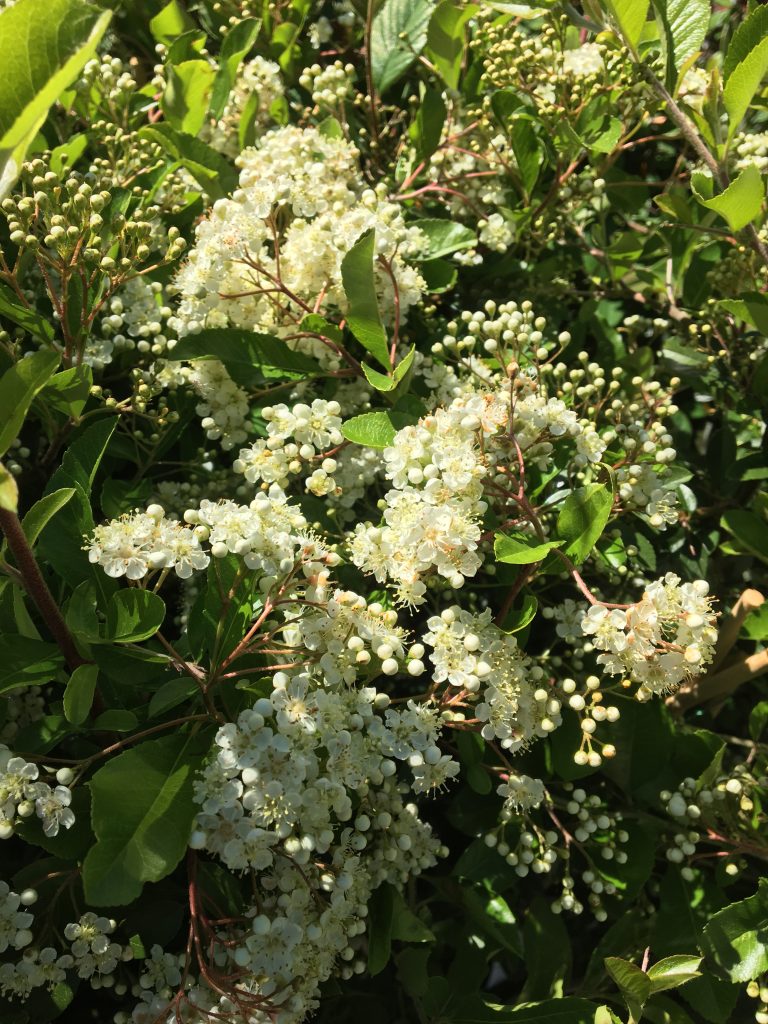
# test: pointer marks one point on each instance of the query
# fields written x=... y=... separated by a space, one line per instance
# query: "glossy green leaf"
x=27 y=317
x=134 y=615
x=61 y=541
x=583 y=517
x=749 y=34
x=78 y=695
x=360 y=288
x=376 y=429
x=243 y=352
x=446 y=39
x=630 y=16
x=743 y=82
x=237 y=43
x=427 y=127
x=27 y=662
x=151 y=784
x=522 y=549
x=43 y=47
x=187 y=93
x=673 y=971
x=749 y=530
x=398 y=34
x=388 y=383
x=444 y=237
x=170 y=22
x=212 y=171
x=736 y=938
x=634 y=984
x=381 y=907
x=35 y=521
x=18 y=387
x=683 y=25
x=529 y=153
x=740 y=203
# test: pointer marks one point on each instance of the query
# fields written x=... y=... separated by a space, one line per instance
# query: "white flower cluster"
x=471 y=653
x=330 y=86
x=134 y=318
x=303 y=790
x=257 y=87
x=521 y=793
x=141 y=542
x=314 y=429
x=22 y=795
x=751 y=148
x=347 y=636
x=300 y=206
x=269 y=534
x=584 y=60
x=664 y=639
x=93 y=956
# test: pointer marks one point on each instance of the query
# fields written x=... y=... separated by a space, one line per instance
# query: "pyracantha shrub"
x=384 y=512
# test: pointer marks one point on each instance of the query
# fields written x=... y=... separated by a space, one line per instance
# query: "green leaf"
x=547 y=949
x=740 y=203
x=376 y=429
x=444 y=237
x=18 y=386
x=630 y=16
x=751 y=307
x=551 y=1011
x=673 y=971
x=187 y=92
x=758 y=719
x=528 y=151
x=24 y=316
x=406 y=926
x=683 y=25
x=634 y=984
x=381 y=908
x=134 y=615
x=142 y=815
x=68 y=153
x=116 y=720
x=43 y=47
x=68 y=391
x=78 y=696
x=171 y=694
x=237 y=43
x=445 y=39
x=384 y=383
x=398 y=34
x=35 y=521
x=213 y=172
x=749 y=34
x=427 y=127
x=27 y=662
x=743 y=82
x=243 y=353
x=583 y=518
x=736 y=938
x=605 y=1015
x=360 y=288
x=61 y=543
x=172 y=21
x=749 y=530
x=522 y=549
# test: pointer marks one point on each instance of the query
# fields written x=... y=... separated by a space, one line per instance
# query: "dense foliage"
x=384 y=511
